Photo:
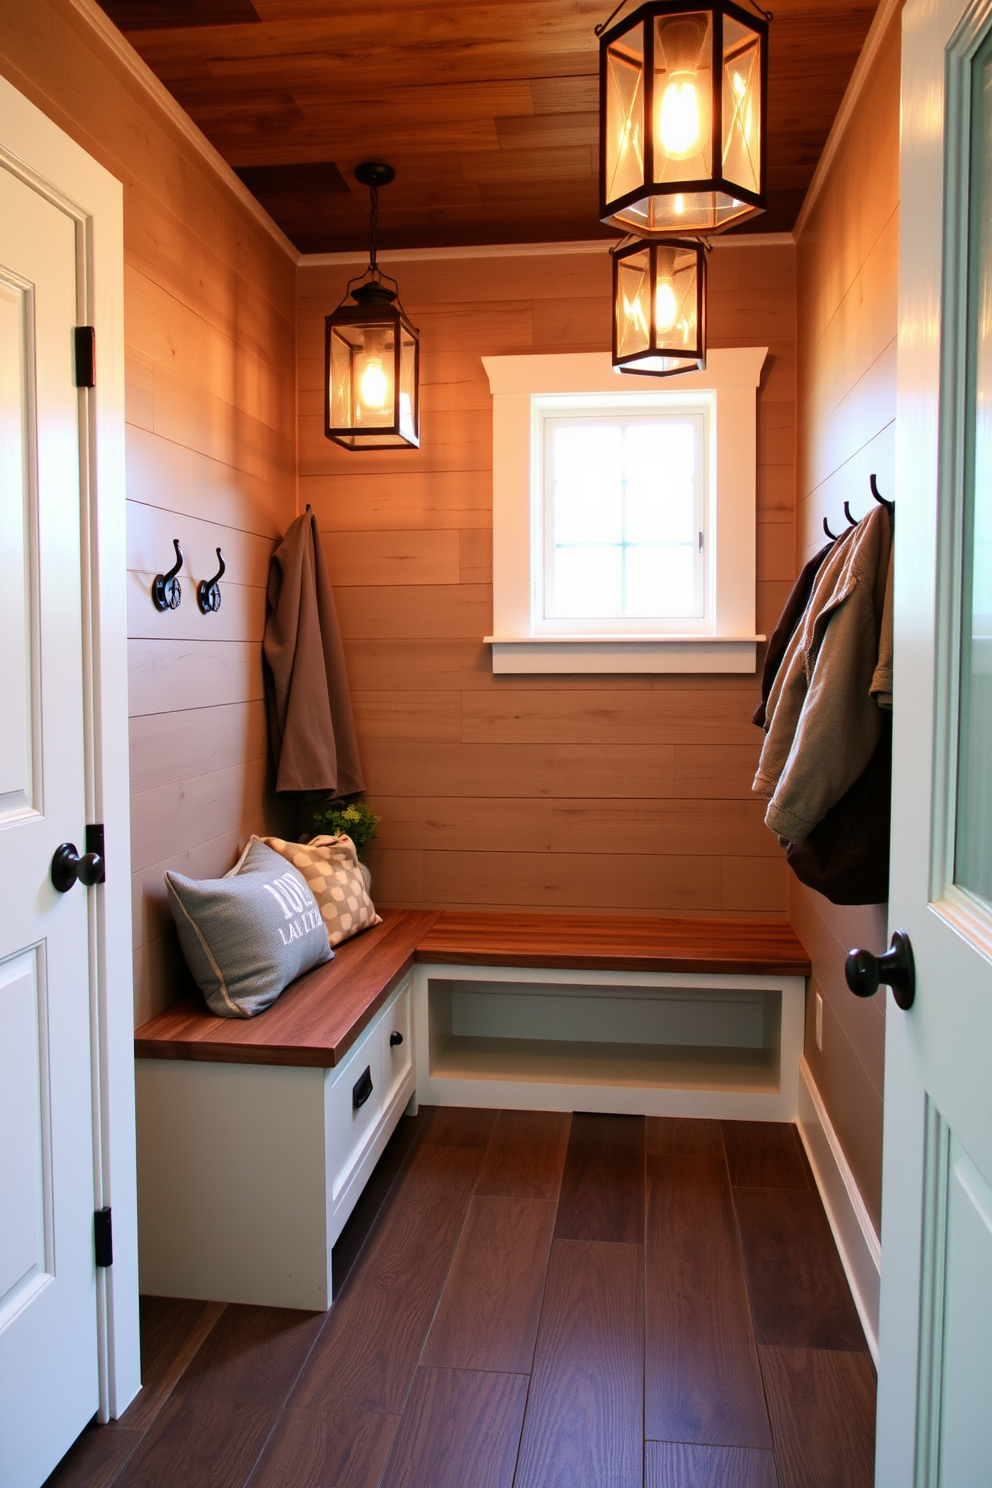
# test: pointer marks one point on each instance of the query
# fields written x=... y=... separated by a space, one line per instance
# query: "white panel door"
x=48 y=1314
x=935 y=1337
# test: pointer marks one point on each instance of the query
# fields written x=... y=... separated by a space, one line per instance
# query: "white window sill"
x=614 y=653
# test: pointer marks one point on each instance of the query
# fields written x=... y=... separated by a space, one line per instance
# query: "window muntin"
x=624 y=516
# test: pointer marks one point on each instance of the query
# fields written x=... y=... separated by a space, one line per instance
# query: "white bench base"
x=638 y=1043
x=247 y=1173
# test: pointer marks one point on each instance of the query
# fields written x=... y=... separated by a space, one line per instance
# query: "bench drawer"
x=354 y=1101
x=397 y=1056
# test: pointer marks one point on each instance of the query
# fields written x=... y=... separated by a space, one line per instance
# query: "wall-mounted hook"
x=832 y=535
x=166 y=590
x=208 y=590
x=890 y=505
x=852 y=521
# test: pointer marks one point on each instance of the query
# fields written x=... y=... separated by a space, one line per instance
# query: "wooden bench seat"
x=315 y=1021
x=613 y=943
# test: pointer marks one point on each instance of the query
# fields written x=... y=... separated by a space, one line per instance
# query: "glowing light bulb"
x=666 y=306
x=374 y=385
x=678 y=119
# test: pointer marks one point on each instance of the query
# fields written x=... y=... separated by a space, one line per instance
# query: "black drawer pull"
x=362 y=1088
x=394 y=1039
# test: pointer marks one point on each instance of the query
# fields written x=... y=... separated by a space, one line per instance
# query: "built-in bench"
x=256 y=1137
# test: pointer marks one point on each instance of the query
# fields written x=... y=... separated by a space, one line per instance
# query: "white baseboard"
x=850 y=1222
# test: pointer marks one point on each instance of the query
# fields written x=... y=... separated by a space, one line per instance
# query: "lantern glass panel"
x=408 y=386
x=741 y=105
x=683 y=97
x=677 y=296
x=633 y=304
x=345 y=341
x=625 y=114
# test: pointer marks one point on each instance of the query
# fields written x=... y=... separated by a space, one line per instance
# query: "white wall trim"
x=855 y=1235
x=180 y=119
x=859 y=78
x=521 y=250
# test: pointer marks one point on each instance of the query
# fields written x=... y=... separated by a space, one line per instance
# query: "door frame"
x=48 y=160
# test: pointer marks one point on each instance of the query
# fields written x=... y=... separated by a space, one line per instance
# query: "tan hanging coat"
x=311 y=725
x=823 y=719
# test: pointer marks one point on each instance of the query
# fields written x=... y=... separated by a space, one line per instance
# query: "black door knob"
x=865 y=972
x=394 y=1039
x=67 y=866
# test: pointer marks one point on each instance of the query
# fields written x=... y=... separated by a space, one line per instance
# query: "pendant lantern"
x=659 y=307
x=372 y=354
x=683 y=94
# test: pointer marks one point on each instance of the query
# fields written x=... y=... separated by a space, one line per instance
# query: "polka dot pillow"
x=335 y=879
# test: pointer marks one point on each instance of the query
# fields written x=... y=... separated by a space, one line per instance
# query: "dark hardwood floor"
x=528 y=1300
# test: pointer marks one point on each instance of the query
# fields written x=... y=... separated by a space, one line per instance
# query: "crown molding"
x=156 y=91
x=519 y=250
x=884 y=15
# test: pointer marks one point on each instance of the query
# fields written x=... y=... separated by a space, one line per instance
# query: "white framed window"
x=623 y=516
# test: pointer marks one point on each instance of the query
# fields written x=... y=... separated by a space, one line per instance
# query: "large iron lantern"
x=372 y=356
x=682 y=118
x=659 y=307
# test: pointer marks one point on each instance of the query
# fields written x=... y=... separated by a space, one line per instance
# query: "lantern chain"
x=373 y=229
x=766 y=15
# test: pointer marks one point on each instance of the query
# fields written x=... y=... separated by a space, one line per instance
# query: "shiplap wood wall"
x=211 y=459
x=847 y=323
x=602 y=793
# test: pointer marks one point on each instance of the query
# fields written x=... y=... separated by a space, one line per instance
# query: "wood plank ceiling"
x=487 y=108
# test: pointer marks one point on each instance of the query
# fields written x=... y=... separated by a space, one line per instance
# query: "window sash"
x=546 y=618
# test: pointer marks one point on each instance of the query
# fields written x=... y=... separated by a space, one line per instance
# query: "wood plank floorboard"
x=822 y=1406
x=253 y=1355
x=602 y=1187
x=365 y=1356
x=375 y=1196
x=95 y=1458
x=459 y=1126
x=325 y=1448
x=702 y=1380
x=674 y=1136
x=798 y=1290
x=200 y=1444
x=765 y=1154
x=461 y=1429
x=526 y=1155
x=491 y=1303
x=584 y=1421
x=680 y=1465
x=172 y=1331
x=467 y=1348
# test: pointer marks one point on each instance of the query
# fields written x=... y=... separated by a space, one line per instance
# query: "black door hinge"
x=103 y=1237
x=85 y=340
x=94 y=844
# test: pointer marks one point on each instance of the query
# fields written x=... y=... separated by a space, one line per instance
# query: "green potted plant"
x=353 y=816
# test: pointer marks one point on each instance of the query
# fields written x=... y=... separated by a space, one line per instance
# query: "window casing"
x=669 y=560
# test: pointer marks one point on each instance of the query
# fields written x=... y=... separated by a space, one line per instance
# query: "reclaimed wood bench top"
x=315 y=1021
x=614 y=943
x=321 y=1015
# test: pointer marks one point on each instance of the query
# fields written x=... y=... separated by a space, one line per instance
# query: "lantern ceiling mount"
x=372 y=352
x=683 y=92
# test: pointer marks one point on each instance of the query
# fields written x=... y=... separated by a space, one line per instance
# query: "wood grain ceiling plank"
x=540 y=132
x=548 y=170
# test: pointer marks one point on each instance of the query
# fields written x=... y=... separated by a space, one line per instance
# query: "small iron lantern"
x=683 y=93
x=659 y=307
x=372 y=354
